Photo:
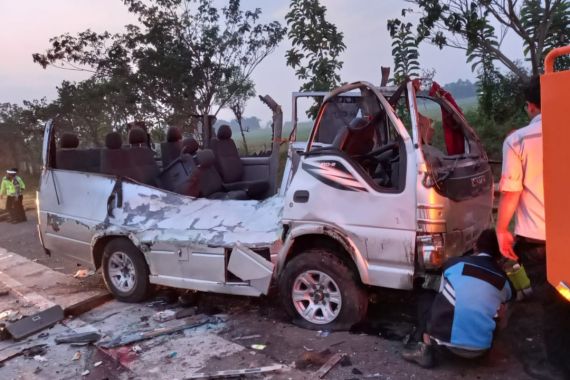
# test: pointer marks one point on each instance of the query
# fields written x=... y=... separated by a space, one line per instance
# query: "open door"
x=48 y=148
x=251 y=268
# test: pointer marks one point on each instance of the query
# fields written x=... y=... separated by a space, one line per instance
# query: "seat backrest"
x=93 y=160
x=114 y=159
x=176 y=176
x=170 y=149
x=207 y=177
x=145 y=169
x=356 y=139
x=68 y=157
x=228 y=161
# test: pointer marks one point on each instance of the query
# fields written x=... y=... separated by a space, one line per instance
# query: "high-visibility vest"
x=13 y=187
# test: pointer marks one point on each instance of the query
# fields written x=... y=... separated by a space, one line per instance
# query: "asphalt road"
x=373 y=348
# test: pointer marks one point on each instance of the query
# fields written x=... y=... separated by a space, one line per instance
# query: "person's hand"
x=506 y=242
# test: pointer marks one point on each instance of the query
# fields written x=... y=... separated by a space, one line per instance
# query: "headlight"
x=430 y=250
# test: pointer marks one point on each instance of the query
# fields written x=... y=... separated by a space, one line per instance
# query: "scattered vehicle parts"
x=237 y=372
x=164 y=316
x=34 y=323
x=334 y=360
x=85 y=337
x=138 y=336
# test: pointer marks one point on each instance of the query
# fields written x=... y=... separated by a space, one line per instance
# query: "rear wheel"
x=125 y=271
x=321 y=292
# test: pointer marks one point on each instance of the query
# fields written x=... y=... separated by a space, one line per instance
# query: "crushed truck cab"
x=391 y=183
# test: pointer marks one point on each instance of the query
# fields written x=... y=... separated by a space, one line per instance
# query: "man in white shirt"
x=522 y=195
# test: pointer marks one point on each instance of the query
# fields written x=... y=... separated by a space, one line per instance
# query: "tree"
x=316 y=47
x=404 y=50
x=242 y=91
x=21 y=134
x=178 y=60
x=468 y=25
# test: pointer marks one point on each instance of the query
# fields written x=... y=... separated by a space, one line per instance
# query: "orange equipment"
x=555 y=95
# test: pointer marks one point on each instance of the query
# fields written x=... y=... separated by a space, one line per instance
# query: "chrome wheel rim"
x=316 y=297
x=121 y=272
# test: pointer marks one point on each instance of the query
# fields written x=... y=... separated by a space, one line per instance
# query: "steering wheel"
x=381 y=154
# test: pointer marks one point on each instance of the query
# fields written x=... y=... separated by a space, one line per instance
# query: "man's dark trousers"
x=556 y=309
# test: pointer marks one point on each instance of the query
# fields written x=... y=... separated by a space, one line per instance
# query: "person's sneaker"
x=544 y=370
x=421 y=354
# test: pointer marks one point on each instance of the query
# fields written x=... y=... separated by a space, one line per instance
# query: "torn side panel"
x=251 y=267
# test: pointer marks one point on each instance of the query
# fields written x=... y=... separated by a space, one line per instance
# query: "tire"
x=131 y=284
x=337 y=278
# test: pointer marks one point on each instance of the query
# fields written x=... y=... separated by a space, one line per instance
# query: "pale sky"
x=27 y=25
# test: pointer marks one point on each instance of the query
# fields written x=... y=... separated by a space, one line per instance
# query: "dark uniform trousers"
x=15 y=208
x=556 y=309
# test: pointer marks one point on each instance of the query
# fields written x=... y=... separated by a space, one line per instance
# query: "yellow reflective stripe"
x=564 y=290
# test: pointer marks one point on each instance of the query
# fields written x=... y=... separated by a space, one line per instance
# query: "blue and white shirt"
x=472 y=291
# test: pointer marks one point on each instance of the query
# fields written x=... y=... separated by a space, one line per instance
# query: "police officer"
x=13 y=187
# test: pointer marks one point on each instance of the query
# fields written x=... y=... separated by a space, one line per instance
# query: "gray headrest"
x=113 y=140
x=357 y=123
x=173 y=134
x=190 y=145
x=224 y=132
x=205 y=158
x=137 y=136
x=68 y=141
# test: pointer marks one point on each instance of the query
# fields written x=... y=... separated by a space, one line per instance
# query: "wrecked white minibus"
x=367 y=201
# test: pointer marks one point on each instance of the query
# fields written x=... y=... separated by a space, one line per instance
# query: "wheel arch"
x=98 y=244
x=305 y=237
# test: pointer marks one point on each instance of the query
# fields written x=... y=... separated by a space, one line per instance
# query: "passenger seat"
x=208 y=182
x=114 y=159
x=170 y=150
x=69 y=157
x=230 y=166
x=176 y=176
x=144 y=168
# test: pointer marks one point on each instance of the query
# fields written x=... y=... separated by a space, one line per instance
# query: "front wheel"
x=125 y=271
x=320 y=292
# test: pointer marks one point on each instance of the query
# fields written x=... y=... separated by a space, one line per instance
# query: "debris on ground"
x=85 y=373
x=346 y=362
x=323 y=333
x=172 y=355
x=9 y=315
x=34 y=323
x=188 y=312
x=83 y=273
x=138 y=336
x=356 y=371
x=84 y=338
x=4 y=292
x=76 y=356
x=334 y=360
x=136 y=349
x=237 y=372
x=30 y=352
x=97 y=364
x=188 y=299
x=164 y=316
x=40 y=358
x=308 y=349
x=258 y=347
x=247 y=337
x=313 y=359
